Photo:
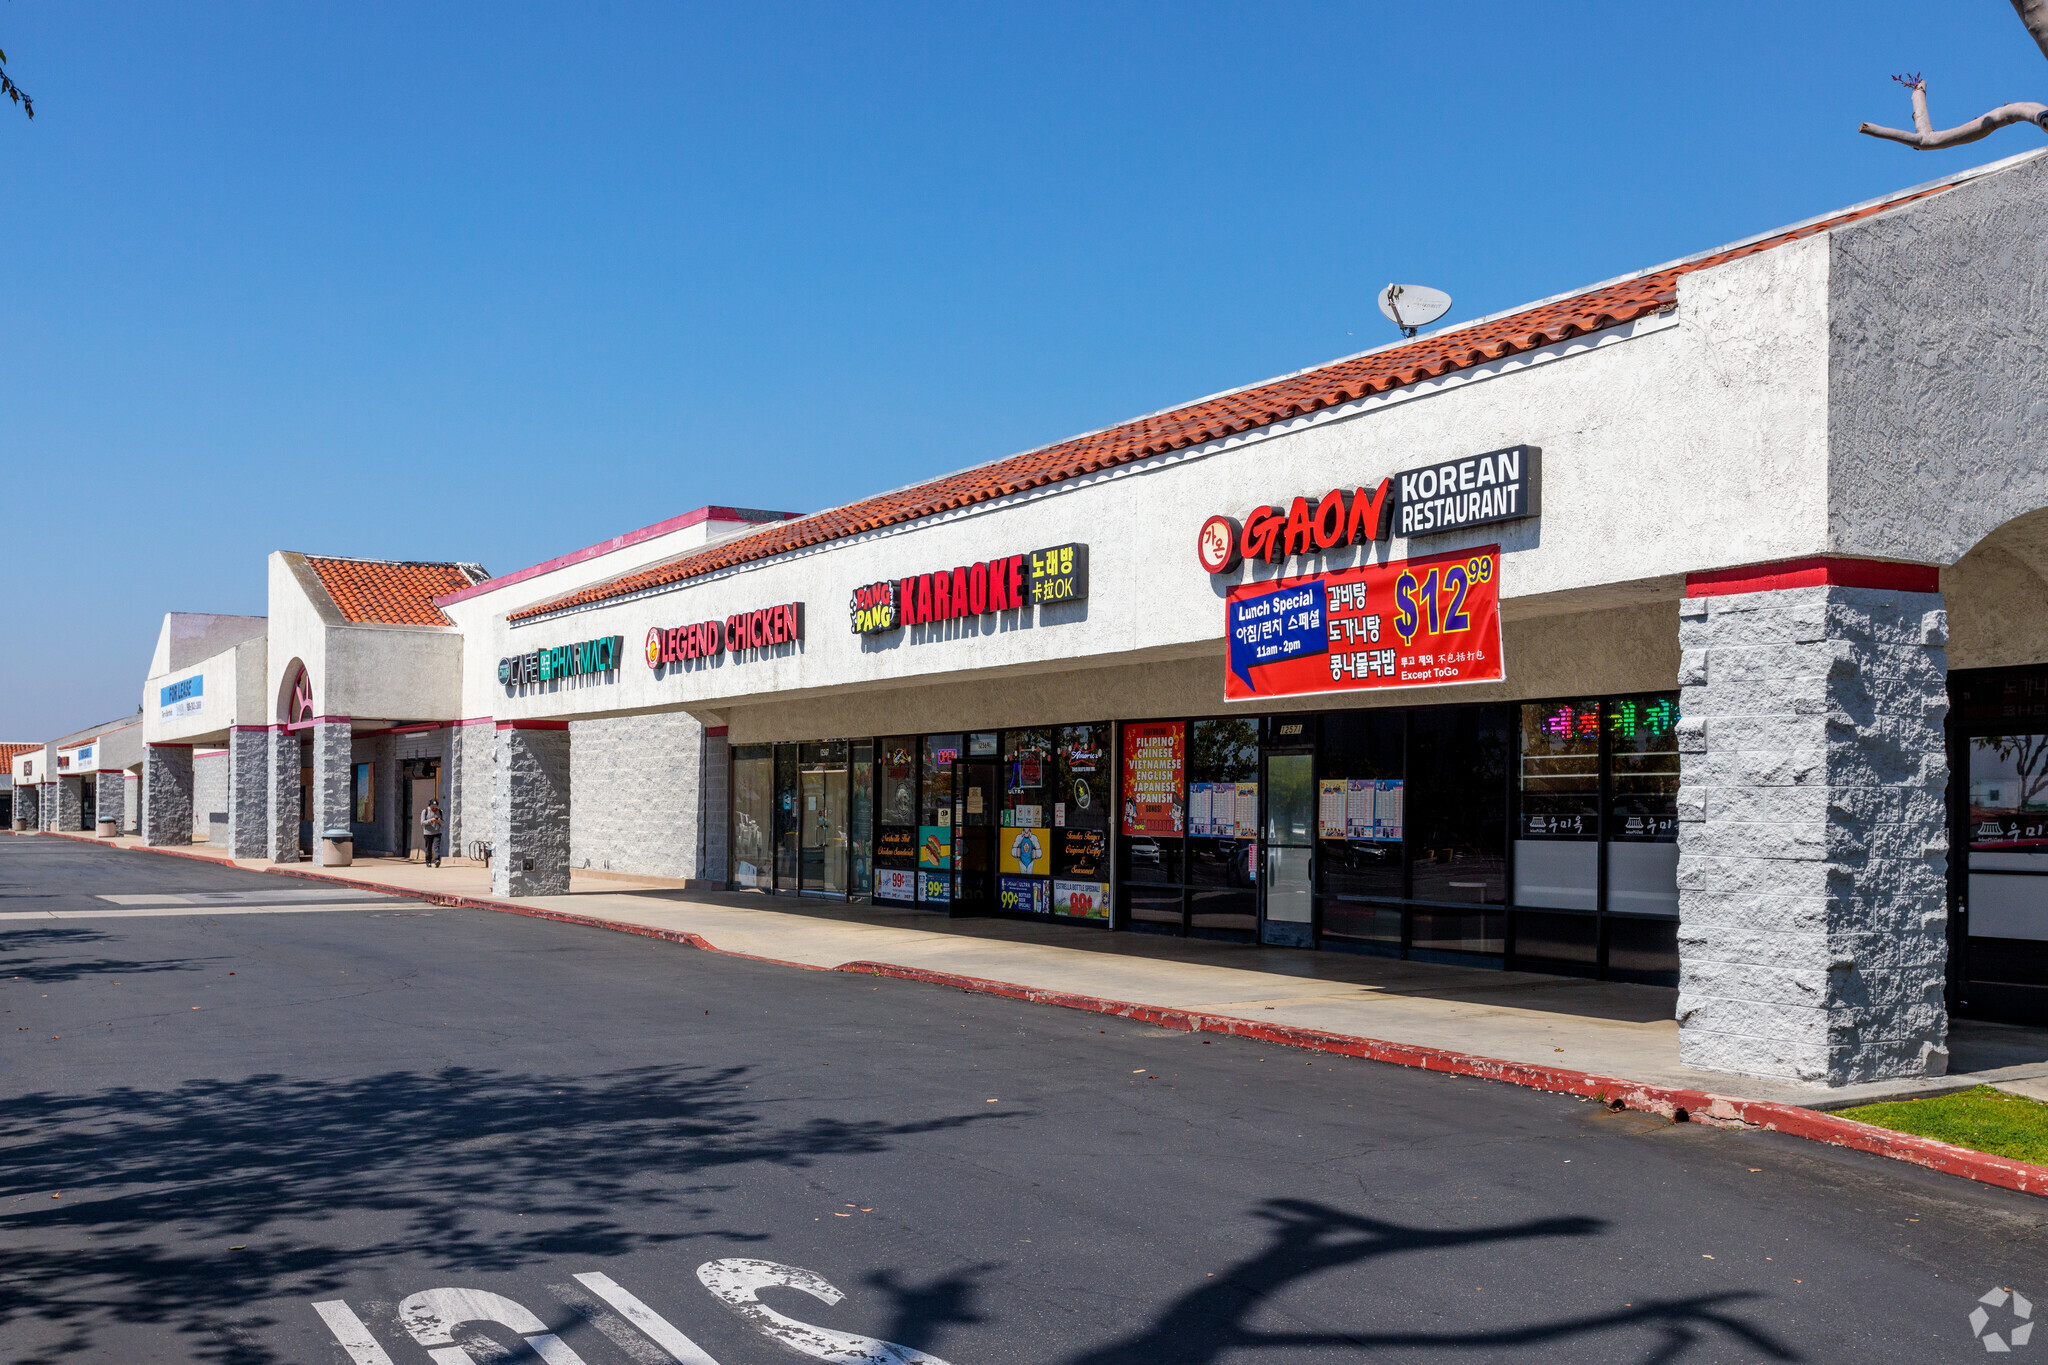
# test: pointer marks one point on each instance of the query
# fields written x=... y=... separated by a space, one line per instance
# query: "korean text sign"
x=1424 y=622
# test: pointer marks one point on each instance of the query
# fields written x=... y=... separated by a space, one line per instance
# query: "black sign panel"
x=1501 y=485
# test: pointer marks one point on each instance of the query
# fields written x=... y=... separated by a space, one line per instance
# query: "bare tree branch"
x=1926 y=137
x=2034 y=14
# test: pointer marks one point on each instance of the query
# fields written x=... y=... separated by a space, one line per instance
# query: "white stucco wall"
x=232 y=694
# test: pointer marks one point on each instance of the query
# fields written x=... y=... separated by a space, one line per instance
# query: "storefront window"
x=860 y=815
x=753 y=815
x=1024 y=845
x=896 y=841
x=1154 y=821
x=941 y=754
x=1457 y=813
x=2008 y=891
x=787 y=864
x=822 y=817
x=1359 y=823
x=1080 y=823
x=1223 y=823
x=1557 y=848
x=1642 y=829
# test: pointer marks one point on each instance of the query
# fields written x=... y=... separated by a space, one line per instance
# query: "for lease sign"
x=1424 y=622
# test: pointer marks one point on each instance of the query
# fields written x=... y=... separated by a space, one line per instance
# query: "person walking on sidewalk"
x=431 y=825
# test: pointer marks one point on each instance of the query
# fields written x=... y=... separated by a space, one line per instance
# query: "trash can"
x=337 y=848
x=105 y=829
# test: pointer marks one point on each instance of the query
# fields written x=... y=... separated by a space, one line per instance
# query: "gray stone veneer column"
x=473 y=755
x=281 y=815
x=1813 y=844
x=28 y=807
x=248 y=791
x=333 y=748
x=110 y=792
x=166 y=795
x=70 y=810
x=530 y=814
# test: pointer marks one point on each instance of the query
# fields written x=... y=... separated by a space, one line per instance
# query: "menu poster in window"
x=1247 y=810
x=1330 y=795
x=1198 y=809
x=935 y=888
x=1386 y=814
x=1155 y=759
x=1425 y=622
x=1084 y=853
x=1361 y=798
x=935 y=846
x=895 y=884
x=897 y=843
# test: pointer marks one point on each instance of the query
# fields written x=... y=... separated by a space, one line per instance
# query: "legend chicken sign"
x=1426 y=622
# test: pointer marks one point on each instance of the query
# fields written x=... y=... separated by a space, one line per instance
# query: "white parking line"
x=210 y=911
x=658 y=1328
x=348 y=1329
x=267 y=896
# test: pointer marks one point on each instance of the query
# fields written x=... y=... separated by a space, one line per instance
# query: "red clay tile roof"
x=382 y=592
x=1229 y=414
x=9 y=752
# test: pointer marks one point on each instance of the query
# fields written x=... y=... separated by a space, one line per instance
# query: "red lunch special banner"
x=1421 y=622
x=1154 y=755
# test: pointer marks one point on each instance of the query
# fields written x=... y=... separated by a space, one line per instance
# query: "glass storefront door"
x=753 y=816
x=1290 y=848
x=2002 y=906
x=976 y=807
x=822 y=818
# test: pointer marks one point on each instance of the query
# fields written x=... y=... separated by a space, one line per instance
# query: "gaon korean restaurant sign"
x=1425 y=622
x=1501 y=485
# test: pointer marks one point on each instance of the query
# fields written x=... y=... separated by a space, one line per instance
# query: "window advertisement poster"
x=1426 y=622
x=1087 y=899
x=1025 y=895
x=1360 y=809
x=895 y=884
x=1331 y=797
x=935 y=888
x=1084 y=854
x=1027 y=850
x=897 y=843
x=935 y=846
x=1155 y=761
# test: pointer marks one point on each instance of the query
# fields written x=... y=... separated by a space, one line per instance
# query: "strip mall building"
x=1685 y=629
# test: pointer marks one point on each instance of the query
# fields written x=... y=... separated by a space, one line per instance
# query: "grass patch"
x=1982 y=1119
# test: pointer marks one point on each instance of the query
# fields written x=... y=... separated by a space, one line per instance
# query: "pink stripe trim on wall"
x=1817 y=571
x=605 y=547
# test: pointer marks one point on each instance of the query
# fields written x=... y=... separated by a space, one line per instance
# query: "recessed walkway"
x=1603 y=1027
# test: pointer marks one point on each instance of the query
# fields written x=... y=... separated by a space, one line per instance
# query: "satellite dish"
x=1413 y=305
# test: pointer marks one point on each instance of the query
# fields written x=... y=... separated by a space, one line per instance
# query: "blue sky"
x=493 y=281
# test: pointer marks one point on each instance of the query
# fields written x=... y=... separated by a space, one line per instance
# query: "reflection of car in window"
x=1145 y=851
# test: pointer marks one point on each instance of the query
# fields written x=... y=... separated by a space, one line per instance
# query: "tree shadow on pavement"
x=921 y=1313
x=26 y=957
x=1215 y=1319
x=186 y=1209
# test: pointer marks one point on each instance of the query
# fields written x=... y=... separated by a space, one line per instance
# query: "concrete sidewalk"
x=1605 y=1028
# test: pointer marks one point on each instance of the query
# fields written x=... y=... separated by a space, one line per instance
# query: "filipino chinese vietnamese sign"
x=1154 y=754
x=1424 y=622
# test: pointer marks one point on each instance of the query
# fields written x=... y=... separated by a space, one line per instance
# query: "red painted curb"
x=1672 y=1102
